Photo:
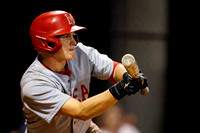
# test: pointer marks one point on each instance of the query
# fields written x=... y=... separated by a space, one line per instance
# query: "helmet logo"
x=70 y=19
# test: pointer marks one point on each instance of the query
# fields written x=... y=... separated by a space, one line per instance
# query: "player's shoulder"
x=35 y=72
x=34 y=80
x=84 y=48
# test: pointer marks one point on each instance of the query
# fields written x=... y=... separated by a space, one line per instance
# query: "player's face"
x=68 y=46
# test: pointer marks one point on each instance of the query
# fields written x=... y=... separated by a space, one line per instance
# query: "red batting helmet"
x=47 y=25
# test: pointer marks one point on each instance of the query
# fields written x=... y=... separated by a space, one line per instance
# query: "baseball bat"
x=131 y=66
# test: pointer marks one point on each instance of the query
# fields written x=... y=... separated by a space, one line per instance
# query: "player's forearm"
x=118 y=72
x=89 y=108
x=97 y=105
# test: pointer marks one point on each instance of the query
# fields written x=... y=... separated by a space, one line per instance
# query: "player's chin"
x=71 y=55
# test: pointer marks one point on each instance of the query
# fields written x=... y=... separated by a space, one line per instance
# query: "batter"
x=55 y=88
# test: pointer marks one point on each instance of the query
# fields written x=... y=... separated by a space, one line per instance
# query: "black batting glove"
x=128 y=86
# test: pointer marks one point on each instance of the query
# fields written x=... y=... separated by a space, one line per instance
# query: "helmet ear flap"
x=53 y=45
x=49 y=44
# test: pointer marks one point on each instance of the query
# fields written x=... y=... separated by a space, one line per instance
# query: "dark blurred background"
x=161 y=34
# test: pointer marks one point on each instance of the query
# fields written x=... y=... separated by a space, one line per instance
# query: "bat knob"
x=144 y=91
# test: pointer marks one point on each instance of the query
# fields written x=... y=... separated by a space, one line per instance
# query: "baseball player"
x=55 y=88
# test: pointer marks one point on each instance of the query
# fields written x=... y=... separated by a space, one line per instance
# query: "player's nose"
x=73 y=42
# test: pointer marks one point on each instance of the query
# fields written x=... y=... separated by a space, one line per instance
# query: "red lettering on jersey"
x=85 y=92
x=75 y=93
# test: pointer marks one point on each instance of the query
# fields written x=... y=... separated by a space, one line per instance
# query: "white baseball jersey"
x=44 y=92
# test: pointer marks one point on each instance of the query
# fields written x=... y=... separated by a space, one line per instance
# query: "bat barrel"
x=131 y=66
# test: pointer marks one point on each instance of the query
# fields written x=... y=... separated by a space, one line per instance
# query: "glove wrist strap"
x=117 y=91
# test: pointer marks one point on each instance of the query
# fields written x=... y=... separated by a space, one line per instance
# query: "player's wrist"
x=118 y=90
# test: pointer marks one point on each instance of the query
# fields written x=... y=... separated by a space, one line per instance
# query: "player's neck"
x=53 y=64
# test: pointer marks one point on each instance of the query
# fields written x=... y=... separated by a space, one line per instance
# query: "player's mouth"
x=71 y=49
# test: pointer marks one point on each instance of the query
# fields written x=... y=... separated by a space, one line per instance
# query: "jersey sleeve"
x=111 y=76
x=101 y=65
x=43 y=99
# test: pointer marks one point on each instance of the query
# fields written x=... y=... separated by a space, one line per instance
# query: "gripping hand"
x=128 y=86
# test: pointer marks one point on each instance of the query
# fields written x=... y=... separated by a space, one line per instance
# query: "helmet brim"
x=77 y=28
x=67 y=30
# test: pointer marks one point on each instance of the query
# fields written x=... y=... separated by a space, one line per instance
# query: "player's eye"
x=66 y=36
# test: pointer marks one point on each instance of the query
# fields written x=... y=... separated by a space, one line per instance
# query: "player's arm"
x=118 y=72
x=95 y=105
x=98 y=104
x=89 y=108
